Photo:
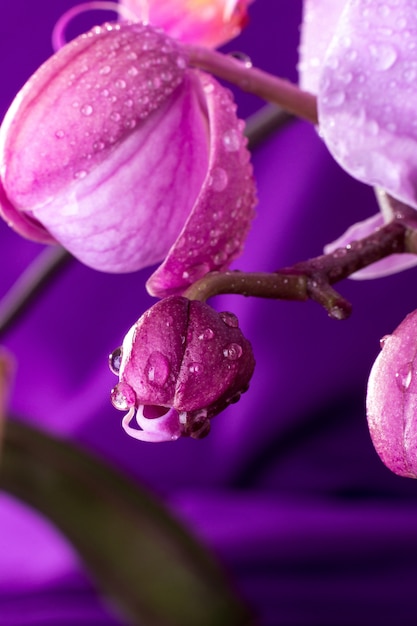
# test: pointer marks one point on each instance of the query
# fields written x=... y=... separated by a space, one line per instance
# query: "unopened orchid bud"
x=204 y=22
x=181 y=364
x=392 y=399
x=118 y=151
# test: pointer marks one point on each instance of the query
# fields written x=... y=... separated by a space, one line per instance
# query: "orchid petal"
x=390 y=265
x=320 y=18
x=79 y=143
x=204 y=22
x=392 y=399
x=367 y=96
x=217 y=226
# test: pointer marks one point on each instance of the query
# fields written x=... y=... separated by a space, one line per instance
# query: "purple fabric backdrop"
x=287 y=489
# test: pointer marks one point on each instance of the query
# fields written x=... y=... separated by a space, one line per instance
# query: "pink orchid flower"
x=181 y=364
x=392 y=399
x=360 y=58
x=208 y=23
x=118 y=151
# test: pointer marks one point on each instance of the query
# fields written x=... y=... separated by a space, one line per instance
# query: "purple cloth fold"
x=287 y=489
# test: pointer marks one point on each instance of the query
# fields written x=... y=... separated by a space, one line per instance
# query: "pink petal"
x=390 y=265
x=368 y=95
x=204 y=22
x=392 y=399
x=320 y=18
x=217 y=227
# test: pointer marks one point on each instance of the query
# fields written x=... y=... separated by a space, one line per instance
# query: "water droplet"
x=231 y=140
x=242 y=57
x=233 y=351
x=207 y=334
x=59 y=134
x=335 y=99
x=80 y=174
x=383 y=55
x=120 y=83
x=123 y=397
x=195 y=368
x=182 y=417
x=115 y=360
x=218 y=179
x=384 y=340
x=115 y=116
x=195 y=272
x=106 y=69
x=404 y=376
x=133 y=71
x=86 y=109
x=229 y=319
x=157 y=368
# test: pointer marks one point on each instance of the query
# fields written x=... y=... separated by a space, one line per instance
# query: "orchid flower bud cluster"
x=181 y=364
x=124 y=155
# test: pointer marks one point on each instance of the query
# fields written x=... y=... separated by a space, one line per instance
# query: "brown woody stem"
x=313 y=278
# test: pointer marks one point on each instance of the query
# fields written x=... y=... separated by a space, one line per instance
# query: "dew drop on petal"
x=86 y=109
x=218 y=179
x=207 y=334
x=157 y=368
x=383 y=55
x=115 y=360
x=383 y=340
x=123 y=397
x=59 y=134
x=229 y=319
x=233 y=351
x=404 y=375
x=231 y=140
x=195 y=368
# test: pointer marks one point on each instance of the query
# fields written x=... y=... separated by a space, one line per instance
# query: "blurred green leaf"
x=141 y=558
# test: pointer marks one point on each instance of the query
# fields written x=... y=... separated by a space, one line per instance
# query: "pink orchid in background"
x=181 y=364
x=392 y=399
x=360 y=58
x=204 y=22
x=118 y=151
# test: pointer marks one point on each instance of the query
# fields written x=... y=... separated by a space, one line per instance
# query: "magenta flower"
x=360 y=57
x=204 y=22
x=119 y=152
x=392 y=399
x=180 y=365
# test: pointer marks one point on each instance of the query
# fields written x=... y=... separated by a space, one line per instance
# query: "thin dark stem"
x=29 y=283
x=264 y=122
x=314 y=278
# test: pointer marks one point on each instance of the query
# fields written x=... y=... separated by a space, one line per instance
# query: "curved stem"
x=266 y=86
x=314 y=278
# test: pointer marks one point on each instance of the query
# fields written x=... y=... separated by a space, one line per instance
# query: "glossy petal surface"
x=203 y=22
x=392 y=399
x=368 y=97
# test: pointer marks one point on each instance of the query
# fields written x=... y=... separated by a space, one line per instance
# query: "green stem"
x=271 y=88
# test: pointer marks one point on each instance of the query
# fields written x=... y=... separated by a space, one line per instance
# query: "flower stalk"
x=251 y=79
x=313 y=279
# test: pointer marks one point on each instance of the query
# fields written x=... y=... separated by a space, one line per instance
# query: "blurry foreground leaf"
x=142 y=559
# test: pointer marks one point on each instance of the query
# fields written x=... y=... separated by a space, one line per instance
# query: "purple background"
x=287 y=490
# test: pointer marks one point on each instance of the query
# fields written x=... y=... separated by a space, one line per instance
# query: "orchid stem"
x=248 y=78
x=312 y=279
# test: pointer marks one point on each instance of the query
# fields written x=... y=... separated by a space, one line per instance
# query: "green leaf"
x=140 y=557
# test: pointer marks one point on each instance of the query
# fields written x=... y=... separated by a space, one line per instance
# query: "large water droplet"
x=86 y=109
x=157 y=368
x=218 y=179
x=115 y=360
x=383 y=55
x=207 y=334
x=195 y=272
x=195 y=368
x=231 y=140
x=404 y=376
x=233 y=351
x=229 y=319
x=123 y=397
